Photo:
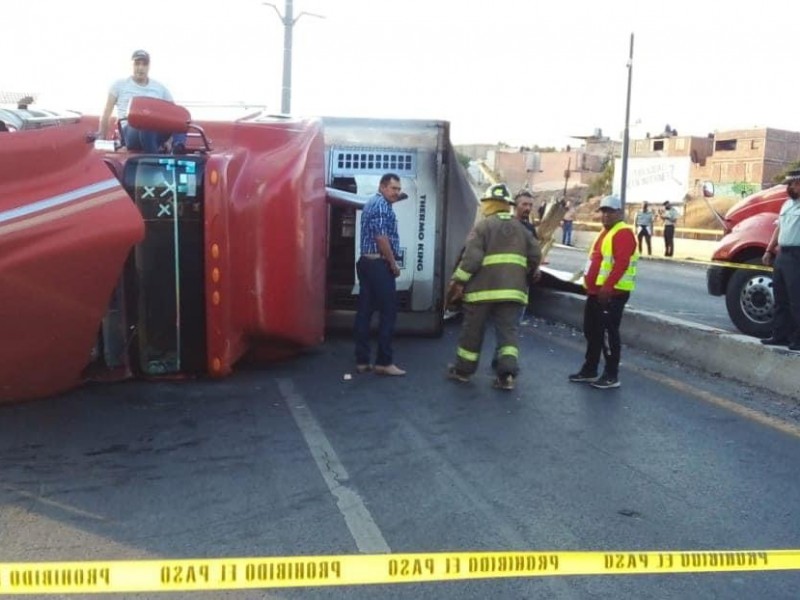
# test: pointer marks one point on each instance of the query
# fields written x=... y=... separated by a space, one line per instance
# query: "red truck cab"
x=748 y=292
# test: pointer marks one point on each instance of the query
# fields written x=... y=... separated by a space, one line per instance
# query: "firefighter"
x=499 y=262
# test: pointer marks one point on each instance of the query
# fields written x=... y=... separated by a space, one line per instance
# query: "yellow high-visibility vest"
x=627 y=282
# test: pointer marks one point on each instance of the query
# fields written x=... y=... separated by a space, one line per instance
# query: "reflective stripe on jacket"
x=627 y=282
x=499 y=258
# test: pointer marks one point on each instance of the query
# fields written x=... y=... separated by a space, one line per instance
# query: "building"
x=739 y=162
x=748 y=160
x=547 y=171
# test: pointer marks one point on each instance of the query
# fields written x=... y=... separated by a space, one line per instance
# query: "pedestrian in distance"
x=566 y=224
x=783 y=250
x=377 y=270
x=644 y=227
x=119 y=97
x=499 y=261
x=670 y=217
x=609 y=279
x=541 y=210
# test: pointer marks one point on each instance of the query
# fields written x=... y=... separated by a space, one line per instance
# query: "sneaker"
x=456 y=375
x=583 y=377
x=504 y=382
x=363 y=368
x=392 y=370
x=605 y=382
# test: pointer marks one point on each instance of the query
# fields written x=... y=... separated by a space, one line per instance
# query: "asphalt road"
x=294 y=459
x=665 y=287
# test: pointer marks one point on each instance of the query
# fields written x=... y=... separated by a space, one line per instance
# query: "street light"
x=626 y=136
x=288 y=19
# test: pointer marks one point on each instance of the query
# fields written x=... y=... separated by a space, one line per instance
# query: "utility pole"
x=626 y=135
x=288 y=19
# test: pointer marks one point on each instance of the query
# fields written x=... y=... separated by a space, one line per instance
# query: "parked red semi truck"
x=748 y=291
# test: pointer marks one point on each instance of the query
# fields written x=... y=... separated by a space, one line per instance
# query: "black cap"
x=141 y=55
x=791 y=176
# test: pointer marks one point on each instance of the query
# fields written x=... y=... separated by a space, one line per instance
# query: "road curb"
x=734 y=356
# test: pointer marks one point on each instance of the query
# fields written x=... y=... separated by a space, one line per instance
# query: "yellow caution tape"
x=311 y=571
x=722 y=263
x=716 y=263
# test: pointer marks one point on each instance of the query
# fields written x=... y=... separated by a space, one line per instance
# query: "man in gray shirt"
x=644 y=227
x=670 y=217
x=120 y=96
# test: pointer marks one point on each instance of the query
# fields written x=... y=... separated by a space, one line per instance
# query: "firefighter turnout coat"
x=499 y=260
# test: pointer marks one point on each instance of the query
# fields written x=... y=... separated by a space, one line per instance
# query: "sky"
x=522 y=72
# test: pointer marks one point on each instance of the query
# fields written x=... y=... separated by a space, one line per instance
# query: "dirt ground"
x=695 y=213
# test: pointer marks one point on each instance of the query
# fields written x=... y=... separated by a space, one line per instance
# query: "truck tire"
x=750 y=300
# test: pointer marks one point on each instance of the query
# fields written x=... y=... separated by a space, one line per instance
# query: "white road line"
x=365 y=532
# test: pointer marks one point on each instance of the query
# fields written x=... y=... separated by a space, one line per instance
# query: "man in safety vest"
x=499 y=262
x=609 y=278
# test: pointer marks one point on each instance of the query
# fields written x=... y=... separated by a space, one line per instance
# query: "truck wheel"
x=750 y=301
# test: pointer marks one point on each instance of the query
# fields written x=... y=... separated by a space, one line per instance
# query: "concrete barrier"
x=733 y=356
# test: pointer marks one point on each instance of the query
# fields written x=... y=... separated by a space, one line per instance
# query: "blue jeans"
x=566 y=233
x=149 y=141
x=377 y=292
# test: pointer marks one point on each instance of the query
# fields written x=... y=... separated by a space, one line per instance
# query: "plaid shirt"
x=378 y=218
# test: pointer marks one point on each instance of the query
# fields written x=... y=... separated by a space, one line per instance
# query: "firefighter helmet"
x=498 y=191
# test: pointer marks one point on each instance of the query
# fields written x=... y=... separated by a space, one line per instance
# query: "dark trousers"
x=505 y=316
x=786 y=287
x=377 y=291
x=601 y=330
x=669 y=240
x=148 y=141
x=644 y=234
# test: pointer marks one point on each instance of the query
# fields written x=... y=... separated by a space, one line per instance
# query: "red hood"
x=765 y=201
x=66 y=228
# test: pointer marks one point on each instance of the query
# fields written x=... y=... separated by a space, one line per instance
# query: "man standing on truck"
x=499 y=262
x=377 y=270
x=120 y=95
x=786 y=273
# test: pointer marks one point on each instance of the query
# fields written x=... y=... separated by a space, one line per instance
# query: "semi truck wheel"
x=750 y=301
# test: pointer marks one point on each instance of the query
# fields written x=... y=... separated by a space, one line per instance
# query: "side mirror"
x=154 y=114
x=708 y=189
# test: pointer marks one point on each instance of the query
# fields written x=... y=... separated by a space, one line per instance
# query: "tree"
x=791 y=167
x=601 y=185
x=463 y=159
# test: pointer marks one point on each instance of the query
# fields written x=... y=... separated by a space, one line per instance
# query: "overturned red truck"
x=115 y=264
